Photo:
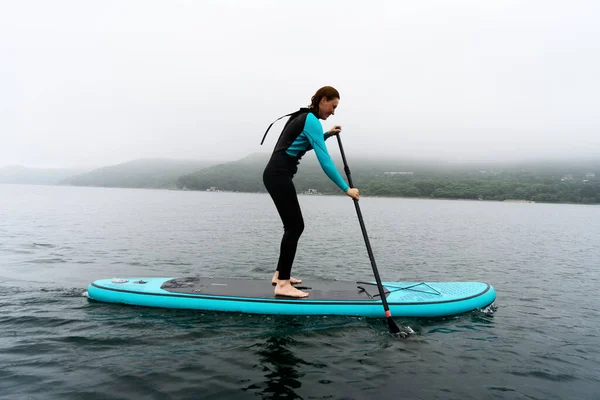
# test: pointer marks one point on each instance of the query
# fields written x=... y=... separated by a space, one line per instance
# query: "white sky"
x=90 y=83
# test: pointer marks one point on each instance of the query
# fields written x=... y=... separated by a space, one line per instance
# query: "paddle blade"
x=393 y=327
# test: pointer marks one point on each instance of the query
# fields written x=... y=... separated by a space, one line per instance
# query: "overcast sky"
x=90 y=83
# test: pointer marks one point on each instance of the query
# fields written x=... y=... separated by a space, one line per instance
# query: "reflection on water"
x=280 y=367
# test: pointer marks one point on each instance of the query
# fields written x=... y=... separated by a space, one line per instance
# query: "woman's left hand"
x=335 y=130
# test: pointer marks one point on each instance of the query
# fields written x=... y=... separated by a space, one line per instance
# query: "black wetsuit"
x=301 y=133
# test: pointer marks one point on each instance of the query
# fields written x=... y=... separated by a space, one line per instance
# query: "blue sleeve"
x=314 y=132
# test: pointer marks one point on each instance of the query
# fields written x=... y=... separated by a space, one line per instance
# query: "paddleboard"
x=327 y=297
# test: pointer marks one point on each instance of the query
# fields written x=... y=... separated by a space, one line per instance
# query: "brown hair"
x=328 y=92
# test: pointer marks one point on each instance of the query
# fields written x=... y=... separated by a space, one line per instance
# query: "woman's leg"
x=284 y=196
x=282 y=191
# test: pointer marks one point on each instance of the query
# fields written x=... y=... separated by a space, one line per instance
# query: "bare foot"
x=284 y=288
x=293 y=280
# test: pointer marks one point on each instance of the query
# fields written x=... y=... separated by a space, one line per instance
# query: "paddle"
x=388 y=315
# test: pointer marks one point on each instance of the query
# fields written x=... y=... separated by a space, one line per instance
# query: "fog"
x=97 y=83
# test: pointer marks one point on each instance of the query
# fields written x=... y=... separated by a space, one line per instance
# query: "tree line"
x=539 y=185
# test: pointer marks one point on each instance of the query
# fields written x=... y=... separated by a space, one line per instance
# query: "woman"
x=302 y=132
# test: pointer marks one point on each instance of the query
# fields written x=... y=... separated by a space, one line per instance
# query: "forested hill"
x=143 y=173
x=556 y=182
x=573 y=182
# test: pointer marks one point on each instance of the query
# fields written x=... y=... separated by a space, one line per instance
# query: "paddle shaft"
x=393 y=327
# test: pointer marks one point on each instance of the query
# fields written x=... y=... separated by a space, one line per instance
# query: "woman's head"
x=325 y=101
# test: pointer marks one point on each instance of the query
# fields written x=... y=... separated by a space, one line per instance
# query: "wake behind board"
x=408 y=299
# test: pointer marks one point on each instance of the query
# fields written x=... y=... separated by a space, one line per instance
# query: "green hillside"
x=143 y=173
x=555 y=181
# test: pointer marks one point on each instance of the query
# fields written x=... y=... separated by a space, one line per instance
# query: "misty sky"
x=91 y=83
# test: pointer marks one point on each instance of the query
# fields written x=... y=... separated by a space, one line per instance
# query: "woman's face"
x=327 y=107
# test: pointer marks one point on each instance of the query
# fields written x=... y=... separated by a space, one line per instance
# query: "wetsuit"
x=302 y=132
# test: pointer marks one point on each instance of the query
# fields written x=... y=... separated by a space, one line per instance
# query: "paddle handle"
x=392 y=325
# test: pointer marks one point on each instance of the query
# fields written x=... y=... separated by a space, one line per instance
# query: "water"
x=541 y=343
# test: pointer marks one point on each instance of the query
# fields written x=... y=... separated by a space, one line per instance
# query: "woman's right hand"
x=353 y=192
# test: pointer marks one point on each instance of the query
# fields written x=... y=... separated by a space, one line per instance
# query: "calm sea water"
x=541 y=343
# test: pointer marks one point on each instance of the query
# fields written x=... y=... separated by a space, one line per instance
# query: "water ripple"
x=540 y=342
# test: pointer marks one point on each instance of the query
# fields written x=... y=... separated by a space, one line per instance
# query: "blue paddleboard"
x=408 y=299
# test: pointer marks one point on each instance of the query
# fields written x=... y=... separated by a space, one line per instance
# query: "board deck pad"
x=254 y=288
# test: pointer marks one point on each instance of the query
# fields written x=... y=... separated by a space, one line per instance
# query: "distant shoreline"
x=513 y=201
x=554 y=183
